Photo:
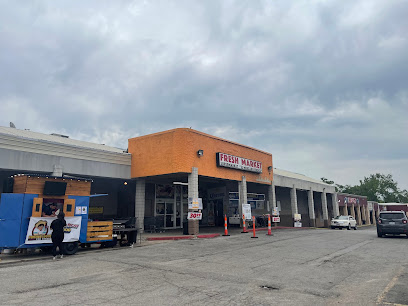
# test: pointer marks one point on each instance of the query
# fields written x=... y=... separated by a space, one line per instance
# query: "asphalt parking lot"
x=293 y=267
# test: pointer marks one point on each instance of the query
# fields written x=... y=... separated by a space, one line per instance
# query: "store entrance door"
x=181 y=202
x=219 y=210
x=169 y=216
x=171 y=205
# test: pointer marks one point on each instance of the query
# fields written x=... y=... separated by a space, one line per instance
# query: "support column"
x=374 y=218
x=324 y=208
x=310 y=202
x=193 y=183
x=293 y=202
x=353 y=211
x=272 y=200
x=345 y=210
x=140 y=204
x=368 y=219
x=335 y=203
x=273 y=195
x=243 y=198
x=359 y=221
x=193 y=193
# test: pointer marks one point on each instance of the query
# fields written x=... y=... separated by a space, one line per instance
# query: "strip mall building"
x=154 y=178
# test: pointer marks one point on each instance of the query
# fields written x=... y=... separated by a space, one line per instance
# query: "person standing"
x=57 y=235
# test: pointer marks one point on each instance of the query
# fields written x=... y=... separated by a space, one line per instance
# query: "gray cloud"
x=320 y=85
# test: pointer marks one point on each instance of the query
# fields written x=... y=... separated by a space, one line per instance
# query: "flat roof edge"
x=349 y=194
x=202 y=134
x=66 y=144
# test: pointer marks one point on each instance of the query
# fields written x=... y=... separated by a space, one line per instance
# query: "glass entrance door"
x=180 y=198
x=169 y=218
x=171 y=205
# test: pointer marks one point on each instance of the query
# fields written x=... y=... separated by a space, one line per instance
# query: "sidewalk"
x=205 y=232
x=145 y=239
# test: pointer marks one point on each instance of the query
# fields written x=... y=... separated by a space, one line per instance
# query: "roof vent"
x=60 y=135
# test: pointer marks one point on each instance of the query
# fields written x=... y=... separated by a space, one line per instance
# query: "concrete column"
x=368 y=219
x=140 y=204
x=243 y=197
x=324 y=208
x=193 y=183
x=335 y=204
x=273 y=195
x=345 y=211
x=353 y=211
x=310 y=202
x=364 y=214
x=359 y=221
x=373 y=214
x=270 y=199
x=293 y=202
x=193 y=193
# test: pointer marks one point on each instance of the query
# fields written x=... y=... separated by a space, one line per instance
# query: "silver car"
x=341 y=222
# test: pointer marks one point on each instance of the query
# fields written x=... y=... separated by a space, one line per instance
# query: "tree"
x=338 y=188
x=377 y=187
x=325 y=180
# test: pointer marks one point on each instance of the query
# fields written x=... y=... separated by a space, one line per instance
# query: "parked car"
x=341 y=222
x=392 y=222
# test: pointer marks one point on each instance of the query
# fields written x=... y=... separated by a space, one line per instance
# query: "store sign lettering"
x=230 y=161
x=349 y=200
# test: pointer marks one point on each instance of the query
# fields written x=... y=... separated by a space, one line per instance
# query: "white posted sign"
x=246 y=211
x=195 y=203
x=194 y=216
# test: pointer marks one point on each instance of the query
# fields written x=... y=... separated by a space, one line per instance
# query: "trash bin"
x=185 y=227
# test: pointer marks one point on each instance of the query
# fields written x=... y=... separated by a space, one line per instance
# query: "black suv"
x=392 y=222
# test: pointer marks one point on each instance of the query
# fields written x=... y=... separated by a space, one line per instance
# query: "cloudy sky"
x=322 y=85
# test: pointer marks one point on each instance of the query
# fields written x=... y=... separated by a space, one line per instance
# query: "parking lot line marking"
x=389 y=286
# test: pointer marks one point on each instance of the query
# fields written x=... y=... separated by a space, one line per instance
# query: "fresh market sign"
x=231 y=161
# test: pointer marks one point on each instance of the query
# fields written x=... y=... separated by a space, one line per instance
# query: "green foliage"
x=325 y=180
x=377 y=187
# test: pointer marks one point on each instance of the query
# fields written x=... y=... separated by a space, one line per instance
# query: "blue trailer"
x=23 y=223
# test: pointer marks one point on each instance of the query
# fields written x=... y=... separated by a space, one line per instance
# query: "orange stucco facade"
x=175 y=151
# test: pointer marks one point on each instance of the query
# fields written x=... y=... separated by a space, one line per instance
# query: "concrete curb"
x=208 y=236
x=217 y=235
x=183 y=237
x=279 y=227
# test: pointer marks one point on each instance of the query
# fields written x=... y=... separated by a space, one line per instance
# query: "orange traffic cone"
x=225 y=226
x=269 y=226
x=243 y=224
x=253 y=227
